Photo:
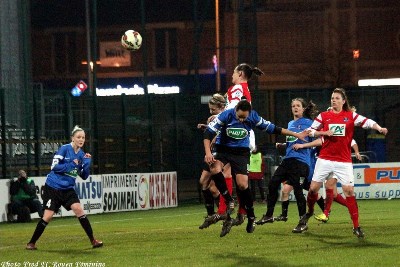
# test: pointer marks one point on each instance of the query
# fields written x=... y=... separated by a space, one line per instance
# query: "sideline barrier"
x=372 y=181
x=111 y=193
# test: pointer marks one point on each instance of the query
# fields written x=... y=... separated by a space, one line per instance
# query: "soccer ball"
x=131 y=40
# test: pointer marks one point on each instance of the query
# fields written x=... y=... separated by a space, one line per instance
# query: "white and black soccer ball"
x=131 y=40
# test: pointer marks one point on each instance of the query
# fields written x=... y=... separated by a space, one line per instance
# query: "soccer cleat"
x=97 y=243
x=251 y=225
x=322 y=218
x=31 y=246
x=211 y=219
x=300 y=228
x=206 y=222
x=358 y=232
x=226 y=227
x=265 y=219
x=281 y=218
x=238 y=220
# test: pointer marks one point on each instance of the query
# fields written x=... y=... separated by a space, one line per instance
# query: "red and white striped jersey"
x=235 y=94
x=338 y=146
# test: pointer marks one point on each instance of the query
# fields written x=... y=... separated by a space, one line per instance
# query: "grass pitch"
x=170 y=237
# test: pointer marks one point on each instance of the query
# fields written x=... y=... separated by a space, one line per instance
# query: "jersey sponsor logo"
x=236 y=133
x=73 y=173
x=290 y=138
x=338 y=129
x=382 y=175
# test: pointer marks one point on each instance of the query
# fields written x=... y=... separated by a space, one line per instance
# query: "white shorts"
x=342 y=171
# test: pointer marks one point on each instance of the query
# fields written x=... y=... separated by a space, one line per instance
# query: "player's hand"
x=297 y=146
x=383 y=131
x=209 y=159
x=211 y=118
x=87 y=156
x=201 y=126
x=302 y=136
x=358 y=156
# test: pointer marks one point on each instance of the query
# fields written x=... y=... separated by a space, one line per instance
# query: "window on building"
x=64 y=47
x=166 y=49
x=60 y=55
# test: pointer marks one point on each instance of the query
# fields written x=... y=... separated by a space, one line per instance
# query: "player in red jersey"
x=239 y=90
x=330 y=183
x=337 y=127
x=241 y=74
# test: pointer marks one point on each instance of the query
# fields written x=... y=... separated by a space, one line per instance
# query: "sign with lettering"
x=112 y=54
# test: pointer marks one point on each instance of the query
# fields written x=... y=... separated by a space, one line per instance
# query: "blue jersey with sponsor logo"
x=297 y=126
x=234 y=133
x=64 y=170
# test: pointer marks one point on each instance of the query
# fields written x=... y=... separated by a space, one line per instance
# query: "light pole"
x=88 y=48
x=218 y=78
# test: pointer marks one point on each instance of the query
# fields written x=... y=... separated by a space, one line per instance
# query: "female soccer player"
x=330 y=183
x=337 y=127
x=241 y=75
x=68 y=163
x=240 y=89
x=216 y=105
x=233 y=147
x=295 y=165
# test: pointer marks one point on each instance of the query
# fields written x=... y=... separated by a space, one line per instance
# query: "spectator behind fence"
x=24 y=200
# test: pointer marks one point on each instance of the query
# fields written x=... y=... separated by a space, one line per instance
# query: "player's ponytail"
x=257 y=71
x=310 y=111
x=249 y=70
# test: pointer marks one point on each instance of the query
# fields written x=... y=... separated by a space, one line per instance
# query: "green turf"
x=170 y=237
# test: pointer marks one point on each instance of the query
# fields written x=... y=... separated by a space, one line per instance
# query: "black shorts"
x=206 y=167
x=239 y=159
x=292 y=171
x=306 y=184
x=53 y=199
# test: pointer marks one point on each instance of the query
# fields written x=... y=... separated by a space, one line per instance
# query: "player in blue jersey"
x=69 y=163
x=295 y=166
x=232 y=147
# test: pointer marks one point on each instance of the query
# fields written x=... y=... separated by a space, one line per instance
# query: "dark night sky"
x=50 y=13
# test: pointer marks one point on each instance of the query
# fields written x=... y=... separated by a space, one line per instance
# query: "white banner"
x=139 y=191
x=120 y=192
x=111 y=193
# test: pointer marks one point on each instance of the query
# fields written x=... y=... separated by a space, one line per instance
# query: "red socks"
x=340 y=199
x=311 y=199
x=328 y=201
x=353 y=210
x=222 y=204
